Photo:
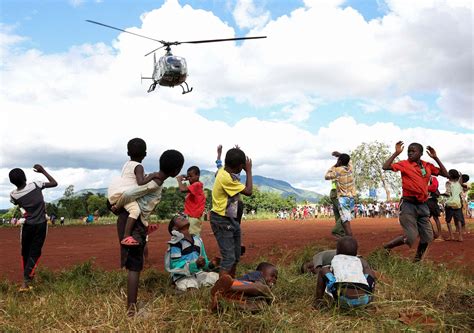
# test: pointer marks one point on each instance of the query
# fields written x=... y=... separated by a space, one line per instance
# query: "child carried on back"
x=136 y=192
x=349 y=280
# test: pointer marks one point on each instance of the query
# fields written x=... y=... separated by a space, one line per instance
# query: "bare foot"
x=222 y=285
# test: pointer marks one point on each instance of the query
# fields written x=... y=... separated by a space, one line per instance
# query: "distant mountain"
x=264 y=184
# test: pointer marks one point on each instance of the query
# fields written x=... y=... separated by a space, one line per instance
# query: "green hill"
x=264 y=184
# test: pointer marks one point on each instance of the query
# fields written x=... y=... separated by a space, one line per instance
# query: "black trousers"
x=32 y=240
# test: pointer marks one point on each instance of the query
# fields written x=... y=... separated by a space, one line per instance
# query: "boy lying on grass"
x=248 y=291
x=186 y=257
x=349 y=280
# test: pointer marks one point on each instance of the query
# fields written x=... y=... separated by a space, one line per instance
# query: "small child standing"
x=186 y=257
x=195 y=201
x=133 y=175
x=342 y=174
x=249 y=289
x=224 y=214
x=433 y=205
x=349 y=279
x=33 y=232
x=453 y=205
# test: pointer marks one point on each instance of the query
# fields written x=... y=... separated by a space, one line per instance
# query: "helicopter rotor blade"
x=155 y=50
x=128 y=32
x=219 y=40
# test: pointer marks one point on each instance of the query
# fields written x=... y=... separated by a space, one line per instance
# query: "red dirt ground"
x=273 y=239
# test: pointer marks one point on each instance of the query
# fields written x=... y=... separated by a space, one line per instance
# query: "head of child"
x=235 y=160
x=415 y=151
x=171 y=162
x=453 y=175
x=308 y=267
x=193 y=174
x=17 y=177
x=343 y=160
x=136 y=149
x=464 y=178
x=347 y=245
x=269 y=273
x=179 y=223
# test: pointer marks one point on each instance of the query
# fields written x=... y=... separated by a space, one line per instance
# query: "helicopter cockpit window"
x=176 y=64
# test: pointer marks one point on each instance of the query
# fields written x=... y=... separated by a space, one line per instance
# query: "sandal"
x=129 y=241
x=25 y=289
x=152 y=228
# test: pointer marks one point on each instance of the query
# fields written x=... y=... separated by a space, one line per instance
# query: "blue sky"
x=331 y=75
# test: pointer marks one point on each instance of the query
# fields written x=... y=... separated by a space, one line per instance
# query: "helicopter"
x=171 y=70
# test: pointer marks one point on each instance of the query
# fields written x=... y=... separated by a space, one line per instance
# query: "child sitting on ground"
x=349 y=280
x=250 y=290
x=133 y=175
x=453 y=204
x=195 y=201
x=186 y=257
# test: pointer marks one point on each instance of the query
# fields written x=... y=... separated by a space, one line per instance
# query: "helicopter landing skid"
x=152 y=86
x=187 y=90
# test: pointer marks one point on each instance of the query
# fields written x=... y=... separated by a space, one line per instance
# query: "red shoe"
x=129 y=241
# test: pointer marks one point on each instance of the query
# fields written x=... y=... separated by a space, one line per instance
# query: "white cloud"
x=76 y=110
x=401 y=105
x=76 y=3
x=248 y=16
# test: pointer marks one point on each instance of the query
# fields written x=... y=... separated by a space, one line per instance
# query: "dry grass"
x=409 y=297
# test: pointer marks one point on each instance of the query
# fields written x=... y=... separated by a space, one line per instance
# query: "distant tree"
x=172 y=201
x=97 y=203
x=51 y=209
x=470 y=193
x=367 y=160
x=325 y=201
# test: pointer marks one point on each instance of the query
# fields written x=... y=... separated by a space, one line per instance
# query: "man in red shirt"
x=195 y=201
x=414 y=212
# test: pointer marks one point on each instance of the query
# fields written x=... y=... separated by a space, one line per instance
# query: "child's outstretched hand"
x=200 y=262
x=216 y=261
x=181 y=178
x=248 y=164
x=431 y=152
x=399 y=147
x=38 y=168
x=219 y=152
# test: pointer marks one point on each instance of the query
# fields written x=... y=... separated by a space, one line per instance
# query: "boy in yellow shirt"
x=223 y=219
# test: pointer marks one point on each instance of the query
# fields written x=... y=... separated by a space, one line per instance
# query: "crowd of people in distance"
x=342 y=276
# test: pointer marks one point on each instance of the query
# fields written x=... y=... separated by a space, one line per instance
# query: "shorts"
x=131 y=257
x=195 y=225
x=346 y=209
x=415 y=221
x=228 y=237
x=455 y=213
x=347 y=302
x=200 y=279
x=433 y=207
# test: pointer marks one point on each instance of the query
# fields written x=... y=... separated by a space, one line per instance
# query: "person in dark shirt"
x=29 y=198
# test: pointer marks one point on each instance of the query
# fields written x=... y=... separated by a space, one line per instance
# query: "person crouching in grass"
x=349 y=280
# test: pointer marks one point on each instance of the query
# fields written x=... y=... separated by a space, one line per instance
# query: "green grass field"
x=408 y=297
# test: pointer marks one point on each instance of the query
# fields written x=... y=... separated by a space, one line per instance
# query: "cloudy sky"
x=331 y=75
